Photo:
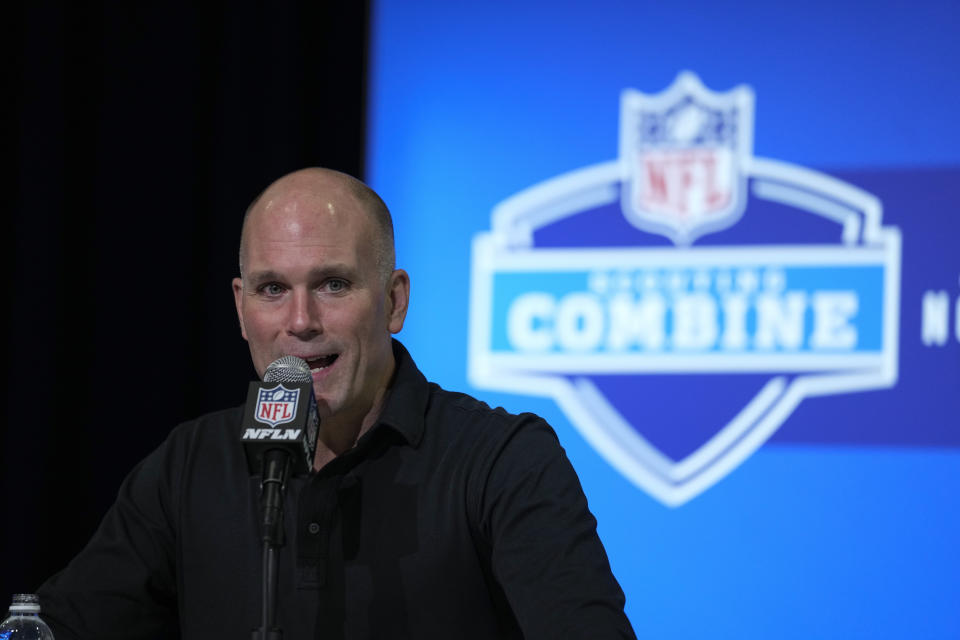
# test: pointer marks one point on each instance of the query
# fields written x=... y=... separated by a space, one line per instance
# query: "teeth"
x=321 y=362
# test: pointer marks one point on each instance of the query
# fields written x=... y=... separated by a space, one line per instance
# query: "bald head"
x=318 y=188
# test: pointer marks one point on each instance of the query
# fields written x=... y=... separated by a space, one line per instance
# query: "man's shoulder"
x=445 y=400
x=421 y=409
x=207 y=444
x=219 y=419
x=215 y=427
x=459 y=413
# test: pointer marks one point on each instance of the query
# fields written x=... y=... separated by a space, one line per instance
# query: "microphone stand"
x=272 y=484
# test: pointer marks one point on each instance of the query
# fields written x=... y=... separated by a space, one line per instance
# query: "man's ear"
x=238 y=300
x=398 y=297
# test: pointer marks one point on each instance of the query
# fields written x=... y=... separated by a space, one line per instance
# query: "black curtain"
x=140 y=133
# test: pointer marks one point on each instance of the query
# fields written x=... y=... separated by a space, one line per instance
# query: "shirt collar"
x=407 y=398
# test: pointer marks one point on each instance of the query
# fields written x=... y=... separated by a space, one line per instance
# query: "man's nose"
x=304 y=321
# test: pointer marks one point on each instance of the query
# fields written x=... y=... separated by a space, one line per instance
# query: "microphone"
x=279 y=434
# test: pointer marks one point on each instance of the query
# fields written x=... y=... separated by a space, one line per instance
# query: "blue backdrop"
x=830 y=511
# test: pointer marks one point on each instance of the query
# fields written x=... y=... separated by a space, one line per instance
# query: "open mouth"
x=321 y=362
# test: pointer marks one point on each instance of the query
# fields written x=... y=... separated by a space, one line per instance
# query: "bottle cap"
x=26 y=603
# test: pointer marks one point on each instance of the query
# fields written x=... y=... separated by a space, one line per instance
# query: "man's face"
x=311 y=288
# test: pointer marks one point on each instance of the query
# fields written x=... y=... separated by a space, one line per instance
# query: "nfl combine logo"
x=276 y=406
x=687 y=268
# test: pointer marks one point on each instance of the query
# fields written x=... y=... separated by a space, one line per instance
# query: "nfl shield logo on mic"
x=276 y=406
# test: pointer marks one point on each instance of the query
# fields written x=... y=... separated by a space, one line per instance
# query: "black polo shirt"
x=447 y=520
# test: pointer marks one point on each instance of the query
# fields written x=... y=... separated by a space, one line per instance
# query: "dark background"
x=140 y=133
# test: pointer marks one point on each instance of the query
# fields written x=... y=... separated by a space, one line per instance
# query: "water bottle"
x=24 y=622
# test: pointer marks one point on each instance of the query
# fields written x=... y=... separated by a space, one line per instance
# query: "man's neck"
x=323 y=455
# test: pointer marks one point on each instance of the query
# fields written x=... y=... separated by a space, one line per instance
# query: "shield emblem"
x=683 y=155
x=677 y=362
x=277 y=405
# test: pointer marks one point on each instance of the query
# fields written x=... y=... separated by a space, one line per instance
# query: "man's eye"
x=271 y=289
x=336 y=285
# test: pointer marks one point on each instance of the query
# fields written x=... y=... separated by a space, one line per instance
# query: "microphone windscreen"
x=288 y=369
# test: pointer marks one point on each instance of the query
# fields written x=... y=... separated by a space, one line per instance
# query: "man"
x=428 y=514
